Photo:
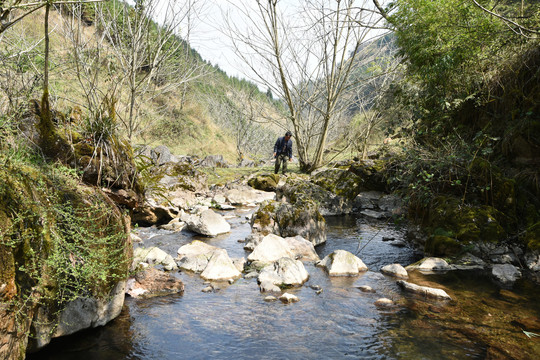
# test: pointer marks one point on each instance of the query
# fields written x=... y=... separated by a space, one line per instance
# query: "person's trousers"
x=281 y=158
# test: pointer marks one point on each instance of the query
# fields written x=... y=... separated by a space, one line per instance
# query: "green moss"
x=532 y=236
x=268 y=182
x=448 y=219
x=439 y=245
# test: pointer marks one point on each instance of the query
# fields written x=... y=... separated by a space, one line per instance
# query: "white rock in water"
x=302 y=248
x=208 y=223
x=284 y=272
x=507 y=274
x=384 y=302
x=342 y=263
x=366 y=288
x=270 y=249
x=289 y=298
x=424 y=290
x=395 y=270
x=430 y=264
x=154 y=255
x=268 y=286
x=195 y=256
x=220 y=267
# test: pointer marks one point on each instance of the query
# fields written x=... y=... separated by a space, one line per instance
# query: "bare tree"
x=244 y=115
x=149 y=52
x=306 y=56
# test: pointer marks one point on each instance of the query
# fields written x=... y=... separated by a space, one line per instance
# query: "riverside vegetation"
x=462 y=113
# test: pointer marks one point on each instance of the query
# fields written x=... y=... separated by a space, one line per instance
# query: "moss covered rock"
x=299 y=190
x=372 y=173
x=454 y=225
x=340 y=182
x=60 y=241
x=288 y=220
x=266 y=182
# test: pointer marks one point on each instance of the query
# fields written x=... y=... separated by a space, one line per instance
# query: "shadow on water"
x=340 y=323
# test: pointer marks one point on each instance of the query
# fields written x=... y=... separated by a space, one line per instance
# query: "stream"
x=342 y=322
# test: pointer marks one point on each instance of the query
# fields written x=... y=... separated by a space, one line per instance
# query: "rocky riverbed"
x=334 y=317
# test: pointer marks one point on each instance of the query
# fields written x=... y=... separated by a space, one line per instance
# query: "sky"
x=208 y=36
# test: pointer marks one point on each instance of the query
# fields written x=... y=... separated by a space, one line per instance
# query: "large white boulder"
x=284 y=272
x=220 y=267
x=195 y=256
x=270 y=249
x=208 y=223
x=342 y=263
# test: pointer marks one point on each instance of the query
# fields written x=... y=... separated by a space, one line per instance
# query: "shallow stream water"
x=342 y=322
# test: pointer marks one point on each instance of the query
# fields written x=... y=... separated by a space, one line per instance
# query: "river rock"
x=248 y=196
x=469 y=262
x=288 y=220
x=301 y=190
x=265 y=182
x=342 y=263
x=424 y=290
x=289 y=298
x=430 y=264
x=153 y=256
x=270 y=298
x=532 y=260
x=239 y=263
x=214 y=161
x=79 y=314
x=366 y=288
x=284 y=272
x=367 y=200
x=303 y=249
x=175 y=225
x=152 y=214
x=268 y=286
x=153 y=282
x=270 y=249
x=209 y=223
x=220 y=267
x=160 y=155
x=506 y=274
x=195 y=256
x=395 y=270
x=384 y=302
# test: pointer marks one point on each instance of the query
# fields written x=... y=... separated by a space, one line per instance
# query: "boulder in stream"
x=506 y=274
x=430 y=264
x=395 y=270
x=342 y=263
x=284 y=272
x=424 y=290
x=208 y=223
x=220 y=267
x=153 y=282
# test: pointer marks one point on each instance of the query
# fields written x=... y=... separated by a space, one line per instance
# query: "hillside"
x=198 y=109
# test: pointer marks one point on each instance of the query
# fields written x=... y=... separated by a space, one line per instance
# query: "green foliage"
x=64 y=241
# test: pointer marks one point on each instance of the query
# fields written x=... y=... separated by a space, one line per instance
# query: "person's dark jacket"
x=278 y=147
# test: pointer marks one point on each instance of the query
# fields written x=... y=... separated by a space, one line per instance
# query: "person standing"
x=283 y=152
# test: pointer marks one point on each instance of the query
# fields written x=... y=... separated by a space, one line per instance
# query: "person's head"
x=288 y=135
